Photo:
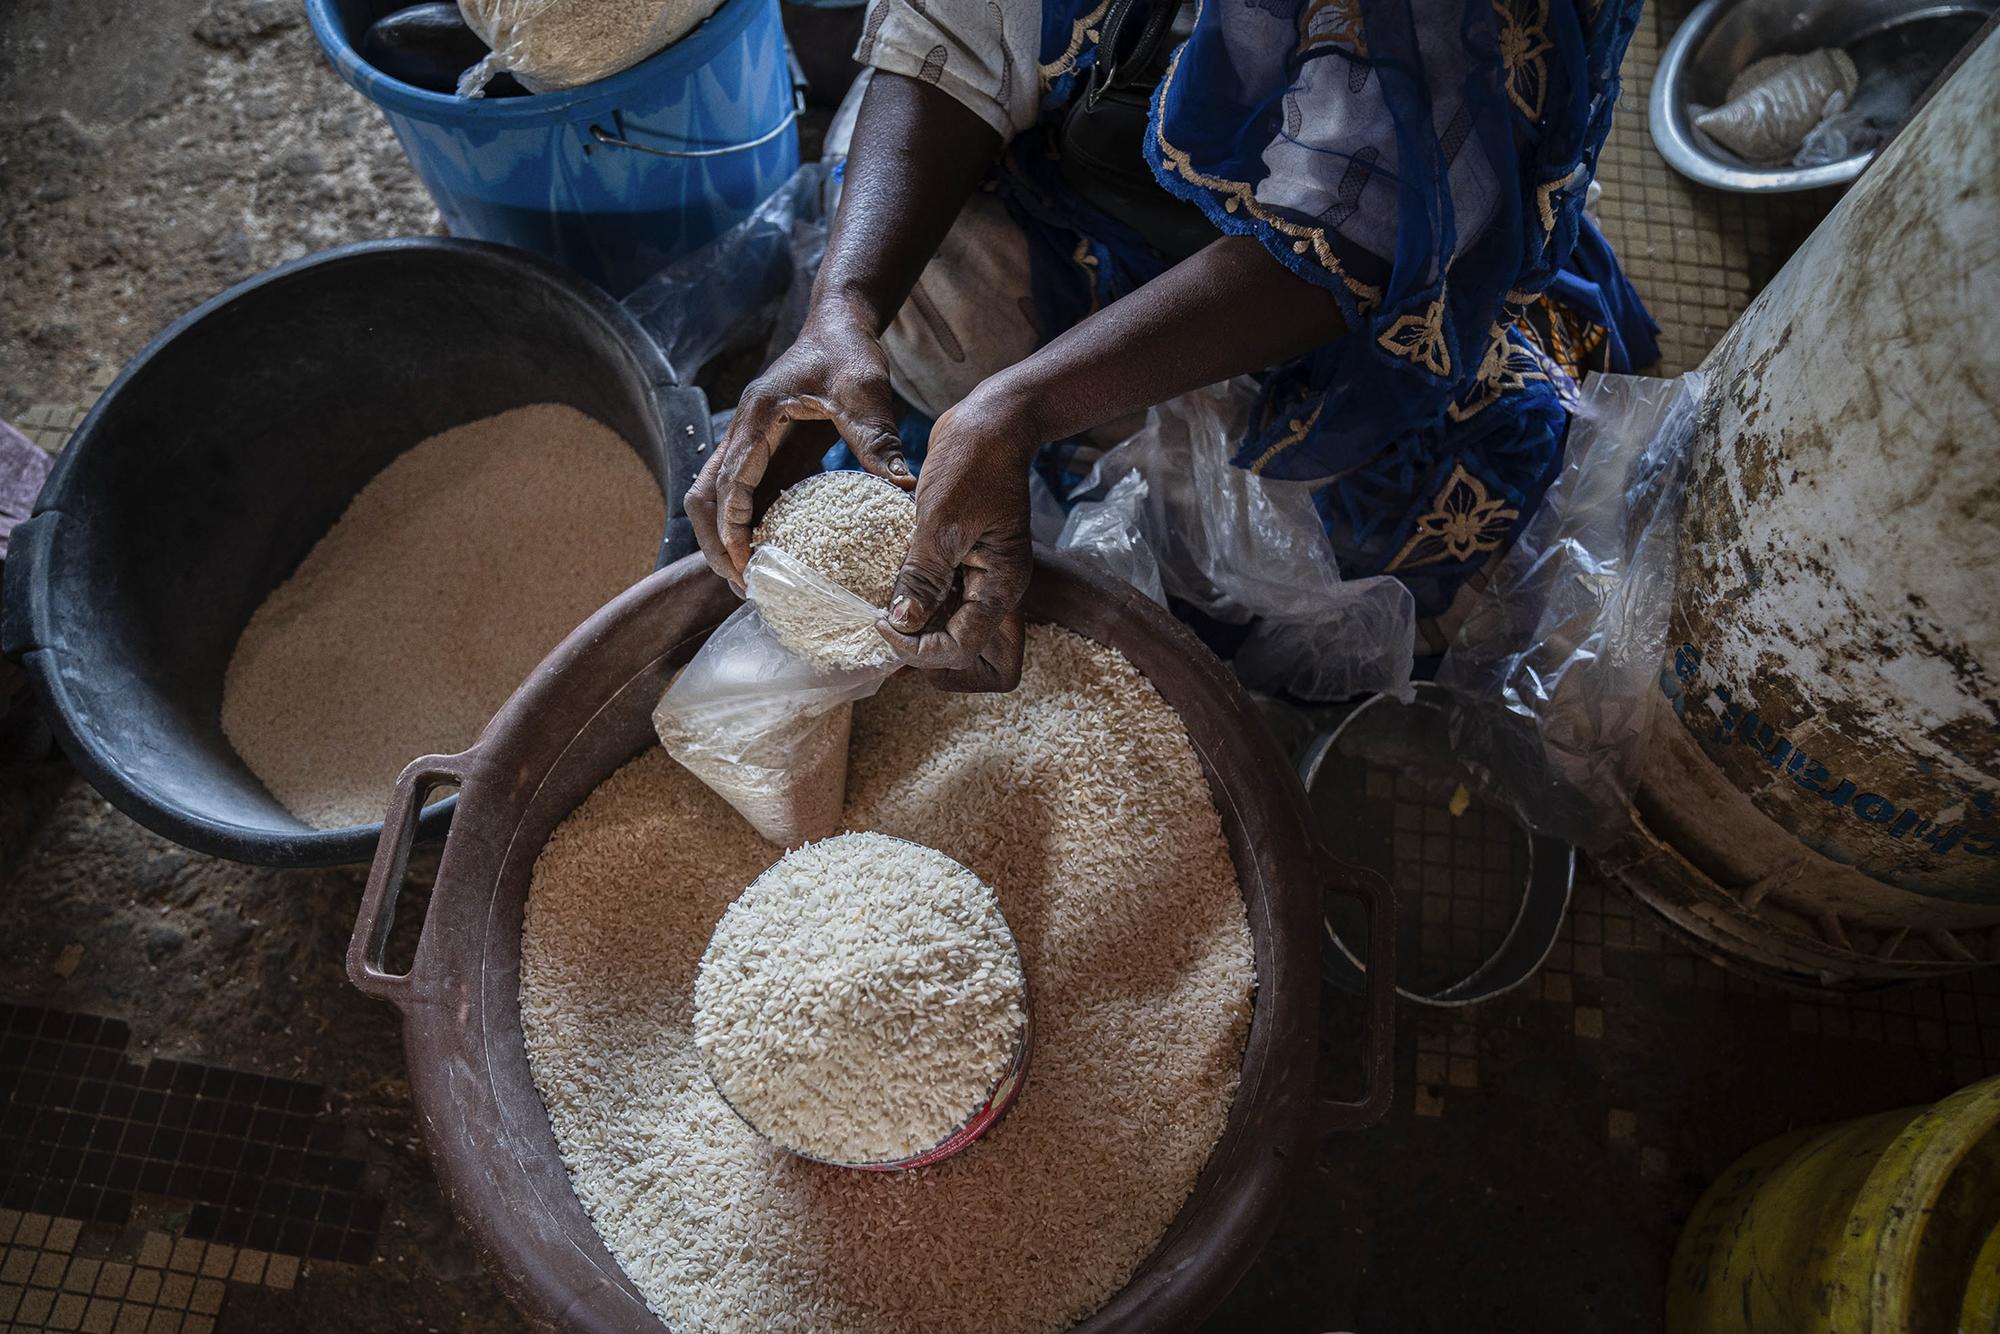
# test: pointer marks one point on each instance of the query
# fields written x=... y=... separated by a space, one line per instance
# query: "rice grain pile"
x=860 y=1000
x=1079 y=799
x=448 y=578
x=853 y=529
x=567 y=43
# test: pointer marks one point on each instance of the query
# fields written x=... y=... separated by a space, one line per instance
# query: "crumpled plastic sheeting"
x=1242 y=548
x=1046 y=518
x=747 y=683
x=1106 y=532
x=1559 y=657
x=751 y=282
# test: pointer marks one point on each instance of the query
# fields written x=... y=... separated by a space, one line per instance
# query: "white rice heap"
x=1080 y=800
x=853 y=529
x=861 y=1000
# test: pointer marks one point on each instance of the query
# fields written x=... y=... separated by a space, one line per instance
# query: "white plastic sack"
x=761 y=713
x=1838 y=138
x=1559 y=657
x=550 y=44
x=1775 y=103
x=1243 y=548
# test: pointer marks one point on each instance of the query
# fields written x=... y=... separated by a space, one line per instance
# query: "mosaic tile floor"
x=133 y=1195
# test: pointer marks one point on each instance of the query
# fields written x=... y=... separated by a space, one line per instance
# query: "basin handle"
x=385 y=876
x=1379 y=899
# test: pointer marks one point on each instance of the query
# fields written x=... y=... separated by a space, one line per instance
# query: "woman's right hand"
x=834 y=372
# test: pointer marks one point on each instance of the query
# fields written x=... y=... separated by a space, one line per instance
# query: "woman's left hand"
x=956 y=609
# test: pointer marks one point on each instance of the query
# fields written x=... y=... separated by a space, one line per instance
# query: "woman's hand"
x=916 y=158
x=956 y=609
x=834 y=372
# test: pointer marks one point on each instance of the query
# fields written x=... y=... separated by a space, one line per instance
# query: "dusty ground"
x=152 y=152
x=239 y=967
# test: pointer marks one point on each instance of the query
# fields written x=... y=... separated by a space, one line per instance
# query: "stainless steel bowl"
x=1721 y=37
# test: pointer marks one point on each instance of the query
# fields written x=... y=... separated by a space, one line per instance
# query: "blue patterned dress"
x=1426 y=162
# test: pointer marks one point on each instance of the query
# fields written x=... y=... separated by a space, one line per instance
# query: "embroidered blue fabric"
x=1426 y=161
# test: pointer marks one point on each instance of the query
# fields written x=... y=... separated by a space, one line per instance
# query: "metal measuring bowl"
x=1720 y=38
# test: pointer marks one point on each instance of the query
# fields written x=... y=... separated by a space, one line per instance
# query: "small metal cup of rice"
x=863 y=1004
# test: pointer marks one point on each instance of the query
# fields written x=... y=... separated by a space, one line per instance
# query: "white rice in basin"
x=861 y=1000
x=1079 y=799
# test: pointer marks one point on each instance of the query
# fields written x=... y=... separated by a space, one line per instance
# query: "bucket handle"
x=609 y=140
x=1379 y=900
x=365 y=966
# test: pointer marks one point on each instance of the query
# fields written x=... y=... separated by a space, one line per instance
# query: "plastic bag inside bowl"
x=761 y=713
x=1243 y=549
x=551 y=44
x=1556 y=664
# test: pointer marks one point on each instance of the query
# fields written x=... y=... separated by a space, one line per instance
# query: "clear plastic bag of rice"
x=1775 y=103
x=761 y=713
x=550 y=44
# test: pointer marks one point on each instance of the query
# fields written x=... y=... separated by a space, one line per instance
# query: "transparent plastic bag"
x=1246 y=549
x=1107 y=532
x=1775 y=102
x=550 y=44
x=1838 y=138
x=1895 y=66
x=1046 y=519
x=761 y=713
x=749 y=283
x=1557 y=660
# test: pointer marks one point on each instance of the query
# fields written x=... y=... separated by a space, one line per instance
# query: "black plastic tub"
x=228 y=447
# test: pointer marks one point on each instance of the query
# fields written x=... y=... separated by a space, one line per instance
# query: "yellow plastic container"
x=1885 y=1225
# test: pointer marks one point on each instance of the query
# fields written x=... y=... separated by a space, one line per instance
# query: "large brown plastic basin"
x=585 y=711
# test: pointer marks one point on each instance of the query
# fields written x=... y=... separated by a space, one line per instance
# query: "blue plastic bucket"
x=614 y=178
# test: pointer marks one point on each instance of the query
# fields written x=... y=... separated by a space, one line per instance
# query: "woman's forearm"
x=1226 y=310
x=916 y=157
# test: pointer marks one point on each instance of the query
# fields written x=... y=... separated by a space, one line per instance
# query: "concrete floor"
x=152 y=152
x=1532 y=1175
